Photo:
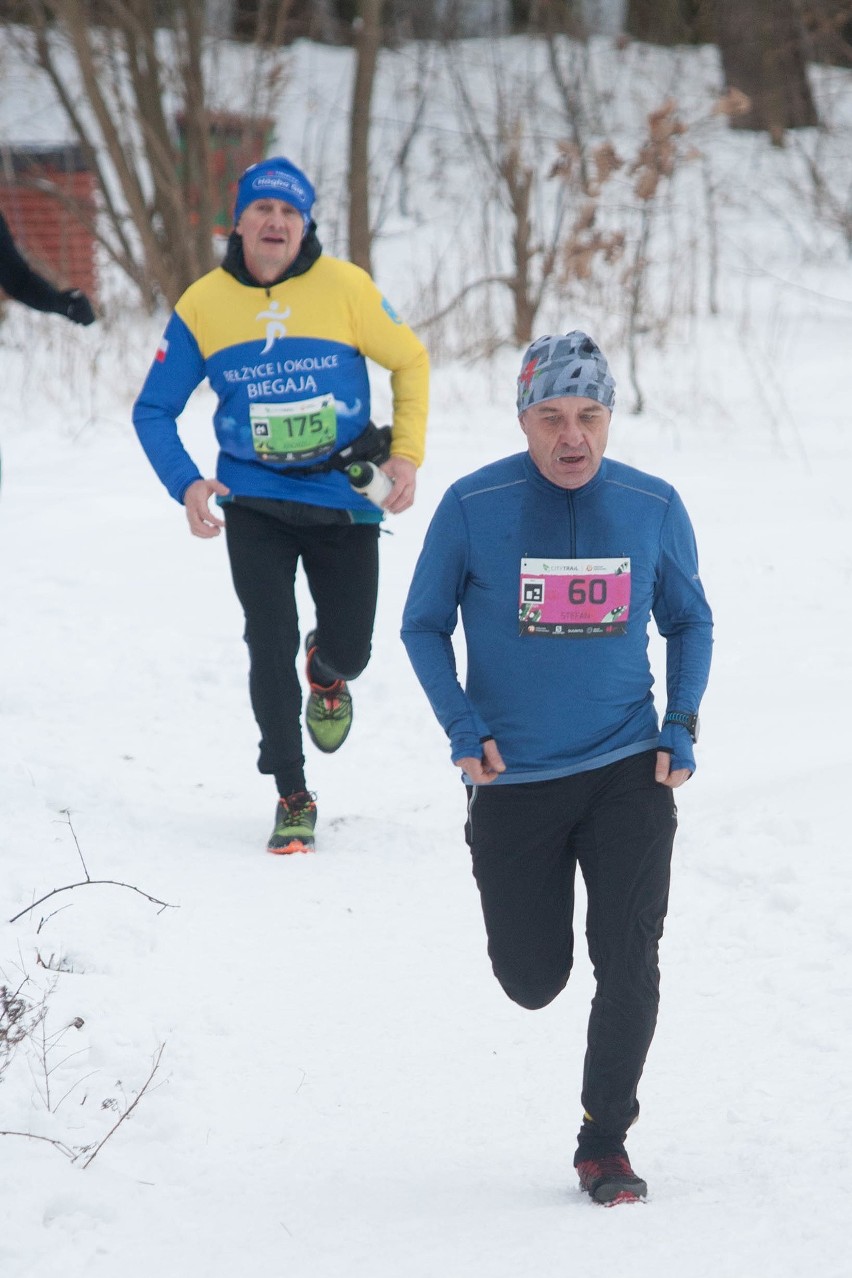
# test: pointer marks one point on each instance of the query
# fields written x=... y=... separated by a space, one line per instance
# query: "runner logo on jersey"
x=275 y=327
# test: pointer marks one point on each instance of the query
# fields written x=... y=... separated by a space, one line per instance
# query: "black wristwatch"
x=688 y=721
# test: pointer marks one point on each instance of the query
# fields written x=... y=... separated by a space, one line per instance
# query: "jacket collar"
x=235 y=264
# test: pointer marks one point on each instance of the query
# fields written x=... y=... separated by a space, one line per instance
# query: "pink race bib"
x=574 y=598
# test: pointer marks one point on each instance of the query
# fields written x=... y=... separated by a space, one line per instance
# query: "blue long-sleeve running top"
x=556 y=588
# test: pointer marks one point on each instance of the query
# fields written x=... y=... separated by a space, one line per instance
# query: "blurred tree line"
x=131 y=86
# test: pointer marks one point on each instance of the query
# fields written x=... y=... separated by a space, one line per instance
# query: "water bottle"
x=369 y=481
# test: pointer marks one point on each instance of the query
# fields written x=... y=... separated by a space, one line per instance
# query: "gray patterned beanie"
x=568 y=365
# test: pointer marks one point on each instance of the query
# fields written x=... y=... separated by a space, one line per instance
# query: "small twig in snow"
x=66 y=812
x=164 y=905
x=47 y=917
x=156 y=1065
x=58 y=1144
x=93 y=883
x=73 y=1088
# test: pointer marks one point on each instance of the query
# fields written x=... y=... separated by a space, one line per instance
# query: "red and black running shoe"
x=610 y=1179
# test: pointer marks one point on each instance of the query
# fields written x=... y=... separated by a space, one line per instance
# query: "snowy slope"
x=344 y=1090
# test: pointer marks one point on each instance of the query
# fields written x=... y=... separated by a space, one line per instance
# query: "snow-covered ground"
x=343 y=1089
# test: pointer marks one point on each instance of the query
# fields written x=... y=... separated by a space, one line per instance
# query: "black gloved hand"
x=77 y=307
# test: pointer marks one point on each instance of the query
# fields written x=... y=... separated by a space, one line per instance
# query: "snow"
x=344 y=1090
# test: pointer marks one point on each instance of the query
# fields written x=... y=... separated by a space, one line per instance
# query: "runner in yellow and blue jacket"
x=282 y=333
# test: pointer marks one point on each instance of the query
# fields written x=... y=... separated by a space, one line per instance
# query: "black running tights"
x=340 y=562
x=618 y=824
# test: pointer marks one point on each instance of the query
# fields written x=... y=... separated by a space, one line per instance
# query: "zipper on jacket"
x=572 y=528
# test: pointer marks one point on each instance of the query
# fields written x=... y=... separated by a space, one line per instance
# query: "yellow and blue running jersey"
x=288 y=365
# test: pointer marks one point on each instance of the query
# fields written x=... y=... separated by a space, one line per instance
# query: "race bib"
x=574 y=598
x=294 y=432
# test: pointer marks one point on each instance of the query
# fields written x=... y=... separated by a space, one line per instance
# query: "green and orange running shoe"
x=328 y=712
x=295 y=820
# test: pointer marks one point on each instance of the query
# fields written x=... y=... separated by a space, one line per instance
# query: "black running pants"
x=341 y=564
x=526 y=841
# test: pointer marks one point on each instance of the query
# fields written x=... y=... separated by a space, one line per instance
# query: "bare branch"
x=66 y=812
x=462 y=293
x=48 y=917
x=57 y=1144
x=124 y=256
x=570 y=100
x=69 y=887
x=73 y=14
x=130 y=1108
x=88 y=881
x=73 y=1088
x=398 y=168
x=368 y=35
x=137 y=102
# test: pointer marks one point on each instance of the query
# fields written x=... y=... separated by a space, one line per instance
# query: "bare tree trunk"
x=635 y=300
x=197 y=133
x=366 y=57
x=73 y=16
x=763 y=55
x=117 y=243
x=519 y=183
x=157 y=191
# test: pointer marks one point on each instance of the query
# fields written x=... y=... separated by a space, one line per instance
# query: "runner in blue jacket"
x=557 y=559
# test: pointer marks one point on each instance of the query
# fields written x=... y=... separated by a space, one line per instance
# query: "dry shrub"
x=732 y=102
x=659 y=153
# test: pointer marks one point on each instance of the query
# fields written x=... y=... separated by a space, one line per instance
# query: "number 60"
x=596 y=593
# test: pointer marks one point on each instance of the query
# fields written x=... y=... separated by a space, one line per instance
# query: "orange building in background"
x=47 y=197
